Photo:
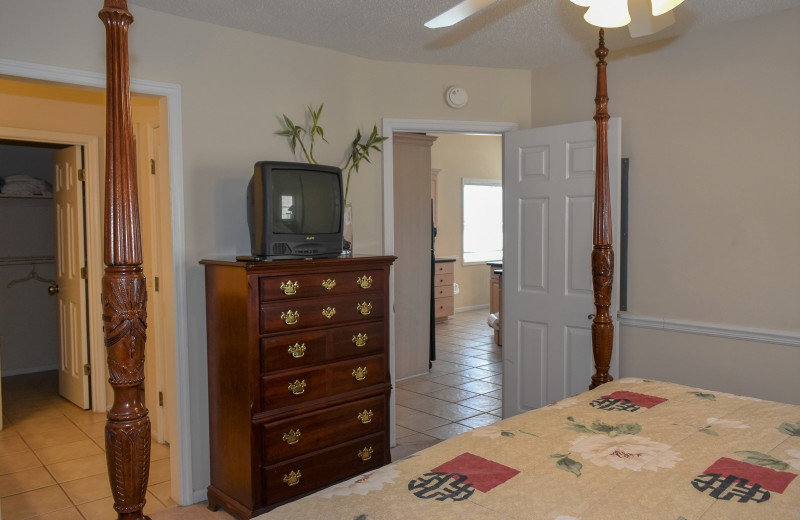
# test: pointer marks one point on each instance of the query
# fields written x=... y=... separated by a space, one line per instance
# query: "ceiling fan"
x=643 y=17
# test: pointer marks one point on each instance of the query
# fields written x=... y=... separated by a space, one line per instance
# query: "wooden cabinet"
x=298 y=377
x=443 y=299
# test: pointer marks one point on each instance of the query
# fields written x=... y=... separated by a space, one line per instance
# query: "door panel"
x=73 y=383
x=547 y=284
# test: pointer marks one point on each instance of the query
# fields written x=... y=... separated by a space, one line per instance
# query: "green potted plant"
x=304 y=137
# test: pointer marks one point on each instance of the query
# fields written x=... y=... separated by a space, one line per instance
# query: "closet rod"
x=26 y=260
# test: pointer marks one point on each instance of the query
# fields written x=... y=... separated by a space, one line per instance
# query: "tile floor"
x=52 y=465
x=52 y=457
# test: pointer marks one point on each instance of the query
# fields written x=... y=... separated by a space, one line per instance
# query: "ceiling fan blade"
x=643 y=23
x=455 y=14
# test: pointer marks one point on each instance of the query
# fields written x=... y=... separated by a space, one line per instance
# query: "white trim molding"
x=172 y=93
x=711 y=329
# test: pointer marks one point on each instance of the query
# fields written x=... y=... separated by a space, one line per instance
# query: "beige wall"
x=463 y=157
x=710 y=126
x=234 y=86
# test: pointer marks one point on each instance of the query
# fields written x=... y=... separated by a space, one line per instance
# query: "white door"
x=548 y=201
x=73 y=348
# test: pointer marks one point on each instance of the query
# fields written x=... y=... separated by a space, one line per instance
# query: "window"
x=482 y=220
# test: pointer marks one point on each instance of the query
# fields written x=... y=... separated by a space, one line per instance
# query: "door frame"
x=180 y=452
x=93 y=227
x=439 y=126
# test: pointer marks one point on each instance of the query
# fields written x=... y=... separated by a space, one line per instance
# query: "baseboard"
x=31 y=370
x=472 y=308
x=200 y=495
x=711 y=329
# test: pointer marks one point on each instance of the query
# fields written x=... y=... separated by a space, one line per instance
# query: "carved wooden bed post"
x=124 y=292
x=602 y=252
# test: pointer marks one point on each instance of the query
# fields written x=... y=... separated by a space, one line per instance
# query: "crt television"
x=295 y=210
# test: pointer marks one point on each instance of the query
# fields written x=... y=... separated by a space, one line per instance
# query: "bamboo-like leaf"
x=572 y=466
x=701 y=395
x=762 y=459
x=602 y=427
x=507 y=434
x=707 y=430
x=628 y=429
x=790 y=429
x=580 y=428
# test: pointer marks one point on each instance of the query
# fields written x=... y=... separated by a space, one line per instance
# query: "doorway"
x=390 y=126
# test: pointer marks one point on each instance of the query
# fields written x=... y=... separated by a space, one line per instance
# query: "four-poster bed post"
x=124 y=296
x=602 y=251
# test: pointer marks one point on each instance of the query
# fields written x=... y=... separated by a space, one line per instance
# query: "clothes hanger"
x=33 y=275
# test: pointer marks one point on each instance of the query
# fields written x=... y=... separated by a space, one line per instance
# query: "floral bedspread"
x=630 y=449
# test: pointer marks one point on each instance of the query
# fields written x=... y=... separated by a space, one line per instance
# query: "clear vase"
x=347 y=232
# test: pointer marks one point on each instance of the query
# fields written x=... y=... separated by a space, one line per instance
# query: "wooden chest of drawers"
x=443 y=299
x=298 y=377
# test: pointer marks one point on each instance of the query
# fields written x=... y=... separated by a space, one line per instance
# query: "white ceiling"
x=522 y=34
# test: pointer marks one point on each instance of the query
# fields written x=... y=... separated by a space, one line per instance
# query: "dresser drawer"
x=443 y=307
x=293 y=351
x=297 y=436
x=443 y=291
x=285 y=288
x=297 y=388
x=443 y=268
x=356 y=374
x=442 y=279
x=357 y=339
x=328 y=312
x=322 y=468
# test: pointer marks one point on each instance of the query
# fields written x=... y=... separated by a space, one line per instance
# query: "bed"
x=625 y=449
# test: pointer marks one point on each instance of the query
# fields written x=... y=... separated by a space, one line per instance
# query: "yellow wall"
x=710 y=123
x=234 y=86
x=463 y=157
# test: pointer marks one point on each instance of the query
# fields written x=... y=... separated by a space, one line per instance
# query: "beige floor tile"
x=79 y=468
x=43 y=438
x=422 y=387
x=477 y=421
x=12 y=443
x=25 y=480
x=153 y=505
x=159 y=471
x=453 y=394
x=68 y=451
x=158 y=451
x=88 y=489
x=42 y=423
x=86 y=417
x=483 y=403
x=102 y=509
x=420 y=422
x=36 y=502
x=163 y=492
x=479 y=387
x=63 y=514
x=93 y=429
x=401 y=432
x=18 y=462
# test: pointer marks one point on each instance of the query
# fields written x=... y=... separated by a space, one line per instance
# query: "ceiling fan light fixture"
x=662 y=6
x=610 y=13
x=643 y=23
x=457 y=13
x=583 y=3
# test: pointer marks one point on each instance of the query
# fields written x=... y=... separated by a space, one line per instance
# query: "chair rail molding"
x=777 y=337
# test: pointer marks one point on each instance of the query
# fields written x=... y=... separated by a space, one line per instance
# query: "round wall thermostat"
x=456 y=97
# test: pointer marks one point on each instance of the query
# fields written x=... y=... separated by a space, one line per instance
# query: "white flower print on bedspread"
x=625 y=452
x=362 y=484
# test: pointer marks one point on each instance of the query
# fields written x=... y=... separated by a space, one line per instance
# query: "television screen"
x=305 y=202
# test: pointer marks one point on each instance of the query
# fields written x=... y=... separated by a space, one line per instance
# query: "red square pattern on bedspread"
x=646 y=401
x=483 y=474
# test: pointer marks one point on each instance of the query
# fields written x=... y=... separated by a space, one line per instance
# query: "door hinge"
x=83 y=273
x=81 y=175
x=161 y=399
x=156 y=283
x=152 y=166
x=87 y=369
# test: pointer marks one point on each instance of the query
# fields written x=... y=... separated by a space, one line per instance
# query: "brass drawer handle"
x=365 y=282
x=290 y=317
x=360 y=373
x=328 y=312
x=289 y=287
x=364 y=308
x=365 y=417
x=329 y=284
x=293 y=478
x=297 y=350
x=365 y=454
x=298 y=387
x=293 y=437
x=360 y=340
